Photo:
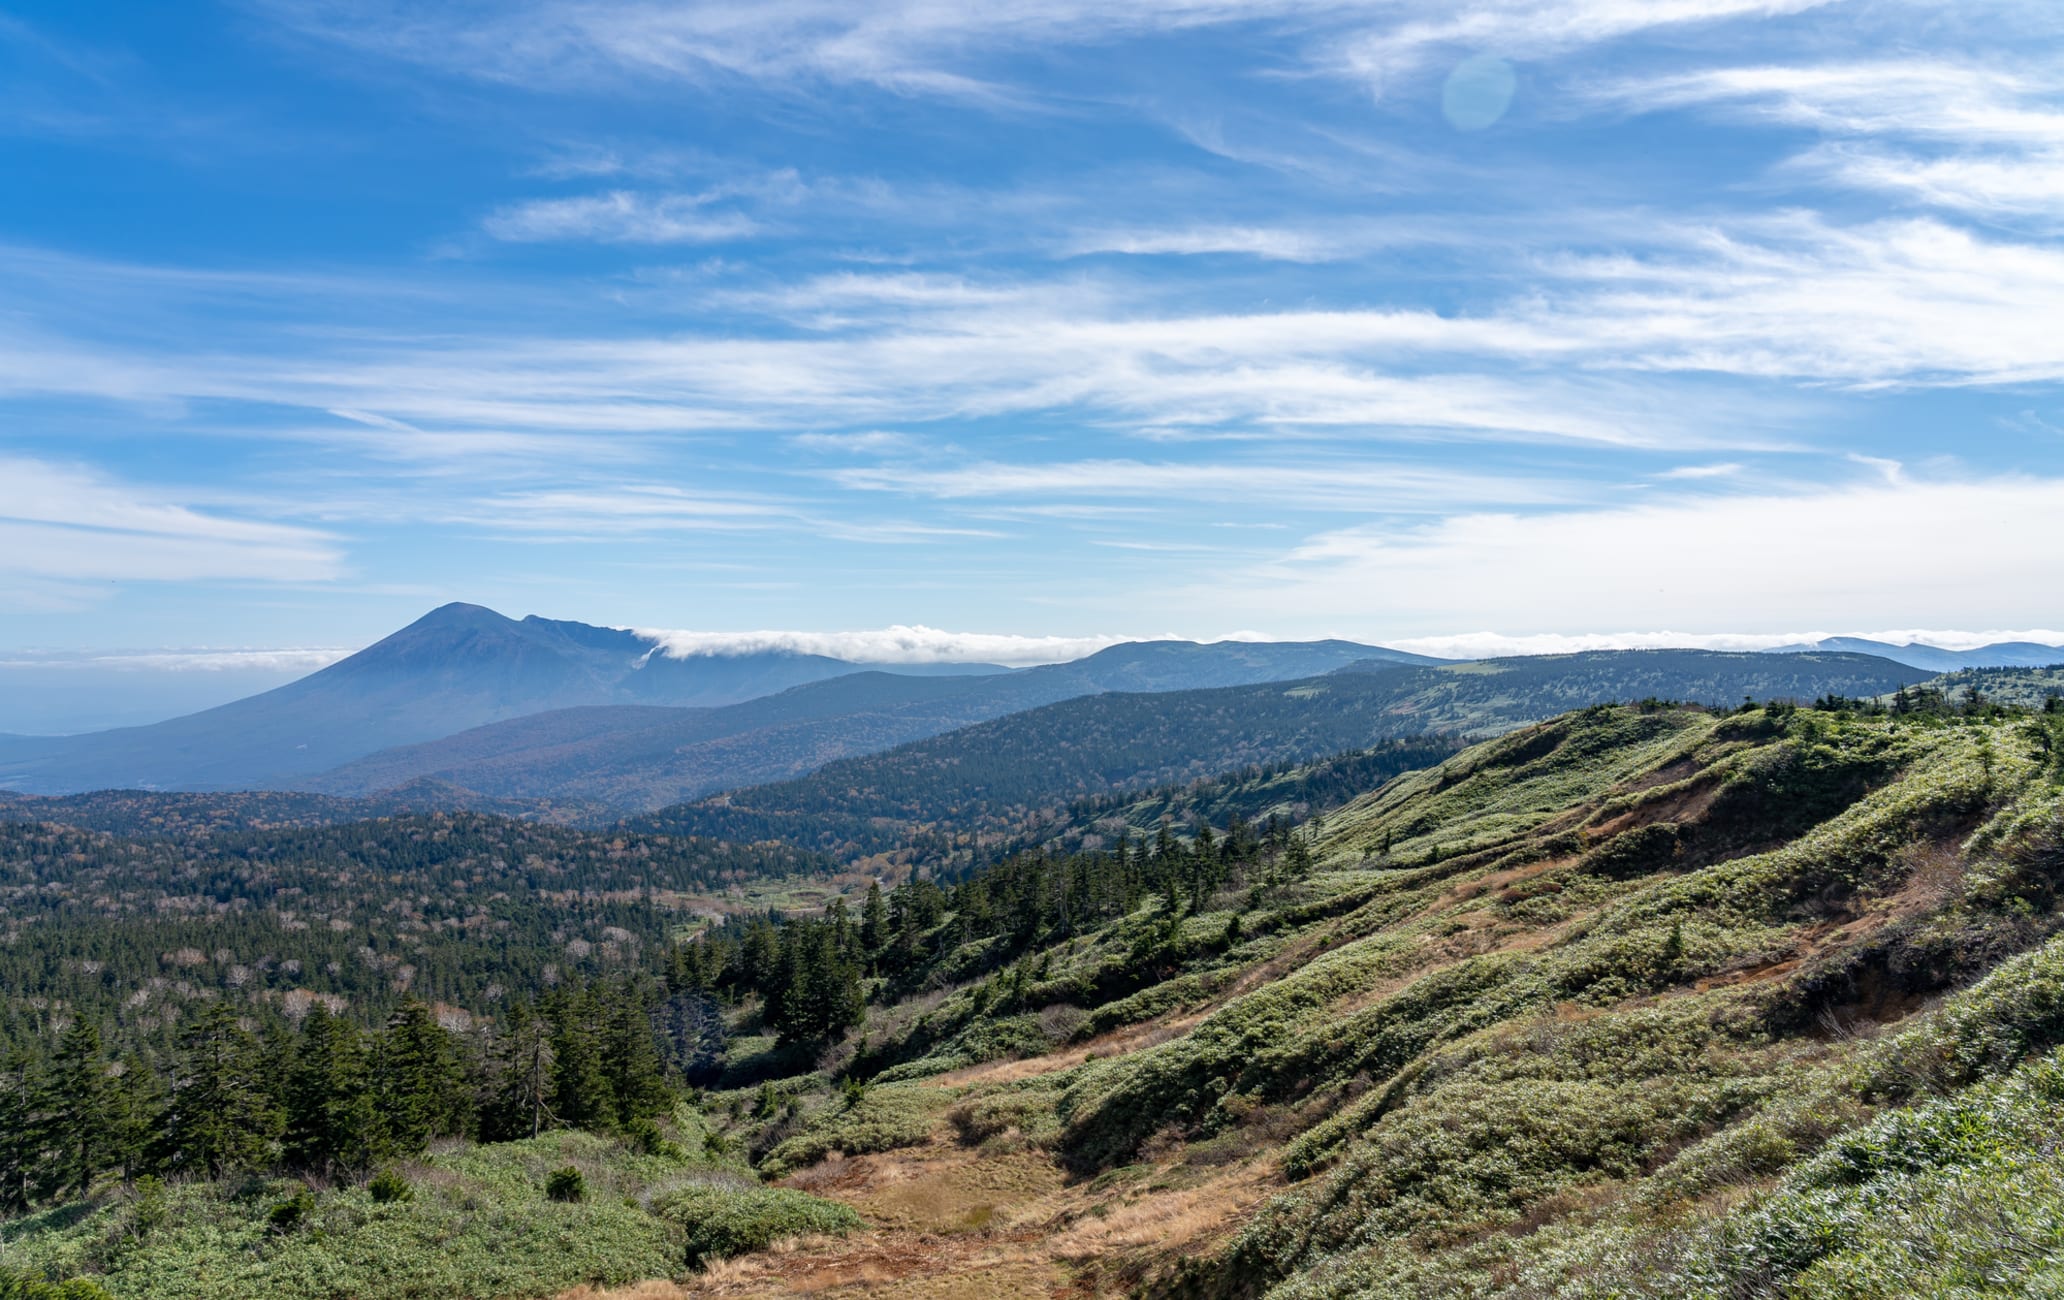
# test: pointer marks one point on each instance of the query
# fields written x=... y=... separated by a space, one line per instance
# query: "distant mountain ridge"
x=465 y=666
x=646 y=758
x=997 y=777
x=1999 y=654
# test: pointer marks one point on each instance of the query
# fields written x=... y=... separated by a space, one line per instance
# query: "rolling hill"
x=1999 y=654
x=989 y=780
x=2029 y=688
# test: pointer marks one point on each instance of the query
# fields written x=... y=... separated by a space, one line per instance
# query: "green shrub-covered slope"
x=1643 y=1001
x=475 y=1222
x=1638 y=1002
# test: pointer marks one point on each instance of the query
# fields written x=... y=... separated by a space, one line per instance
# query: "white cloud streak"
x=890 y=645
x=1328 y=486
x=1987 y=140
x=923 y=47
x=68 y=523
x=1858 y=555
x=1498 y=645
x=1531 y=29
x=619 y=217
x=1575 y=360
x=1270 y=243
x=293 y=659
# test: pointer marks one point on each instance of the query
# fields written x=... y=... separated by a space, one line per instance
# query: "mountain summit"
x=459 y=666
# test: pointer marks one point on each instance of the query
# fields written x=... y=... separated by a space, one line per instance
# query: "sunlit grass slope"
x=475 y=1222
x=1639 y=1002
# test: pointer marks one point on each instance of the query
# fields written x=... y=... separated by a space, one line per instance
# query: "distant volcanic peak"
x=459 y=613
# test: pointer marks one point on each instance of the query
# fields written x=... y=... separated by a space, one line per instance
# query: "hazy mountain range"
x=463 y=666
x=1999 y=654
x=468 y=706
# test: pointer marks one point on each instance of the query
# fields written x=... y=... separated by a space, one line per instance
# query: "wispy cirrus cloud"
x=1273 y=243
x=619 y=217
x=1916 y=303
x=1404 y=36
x=1959 y=103
x=1497 y=645
x=915 y=47
x=1969 y=137
x=290 y=659
x=69 y=523
x=617 y=509
x=1335 y=485
x=1726 y=469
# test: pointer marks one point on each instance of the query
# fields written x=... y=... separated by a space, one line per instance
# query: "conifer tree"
x=136 y=1105
x=1297 y=859
x=581 y=1096
x=21 y=1135
x=629 y=1058
x=521 y=1102
x=818 y=994
x=759 y=956
x=420 y=1085
x=77 y=1109
x=331 y=1117
x=874 y=924
x=219 y=1119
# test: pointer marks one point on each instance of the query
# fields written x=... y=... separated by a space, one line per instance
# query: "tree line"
x=815 y=976
x=329 y=1097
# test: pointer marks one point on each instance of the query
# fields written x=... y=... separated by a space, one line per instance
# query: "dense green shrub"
x=567 y=1183
x=479 y=1227
x=721 y=1221
x=14 y=1286
x=881 y=1118
x=291 y=1213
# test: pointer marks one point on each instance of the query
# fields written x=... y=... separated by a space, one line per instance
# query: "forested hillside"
x=1643 y=1002
x=1650 y=1000
x=2028 y=688
x=164 y=812
x=459 y=909
x=1288 y=791
x=942 y=798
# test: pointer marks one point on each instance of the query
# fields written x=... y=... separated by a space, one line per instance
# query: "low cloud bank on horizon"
x=917 y=644
x=906 y=644
x=925 y=645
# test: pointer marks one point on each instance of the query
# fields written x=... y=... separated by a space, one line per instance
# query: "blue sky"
x=1538 y=318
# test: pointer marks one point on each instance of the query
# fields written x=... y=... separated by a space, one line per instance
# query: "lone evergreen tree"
x=78 y=1110
x=420 y=1085
x=581 y=1094
x=521 y=1103
x=220 y=1119
x=629 y=1058
x=331 y=1119
x=874 y=924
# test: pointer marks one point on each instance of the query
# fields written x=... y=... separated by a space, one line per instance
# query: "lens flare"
x=1478 y=92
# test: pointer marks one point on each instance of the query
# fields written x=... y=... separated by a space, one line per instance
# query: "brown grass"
x=1129 y=1038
